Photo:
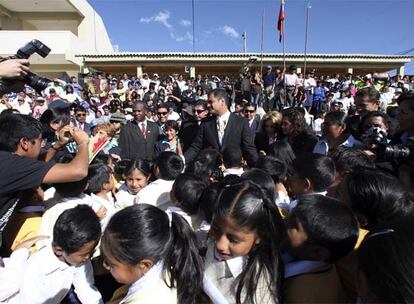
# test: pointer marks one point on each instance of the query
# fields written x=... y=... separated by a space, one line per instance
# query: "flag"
x=281 y=20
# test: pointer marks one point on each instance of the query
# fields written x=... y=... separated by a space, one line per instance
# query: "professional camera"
x=36 y=82
x=378 y=138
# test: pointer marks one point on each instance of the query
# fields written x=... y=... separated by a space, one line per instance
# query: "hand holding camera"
x=14 y=68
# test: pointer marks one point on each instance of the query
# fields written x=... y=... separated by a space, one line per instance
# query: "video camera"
x=386 y=152
x=36 y=82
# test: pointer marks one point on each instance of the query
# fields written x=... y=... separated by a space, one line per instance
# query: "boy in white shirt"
x=50 y=272
x=100 y=185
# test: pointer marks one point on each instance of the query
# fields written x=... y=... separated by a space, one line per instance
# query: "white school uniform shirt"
x=151 y=288
x=108 y=204
x=234 y=171
x=322 y=146
x=220 y=278
x=294 y=203
x=124 y=197
x=11 y=275
x=55 y=207
x=156 y=193
x=282 y=200
x=193 y=220
x=46 y=279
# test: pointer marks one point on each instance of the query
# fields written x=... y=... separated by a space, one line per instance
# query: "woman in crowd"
x=297 y=132
x=269 y=131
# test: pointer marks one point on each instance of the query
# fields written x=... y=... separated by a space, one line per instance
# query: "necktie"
x=221 y=126
x=143 y=130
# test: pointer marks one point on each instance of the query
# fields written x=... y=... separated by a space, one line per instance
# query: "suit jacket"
x=236 y=134
x=86 y=127
x=261 y=141
x=134 y=145
x=255 y=124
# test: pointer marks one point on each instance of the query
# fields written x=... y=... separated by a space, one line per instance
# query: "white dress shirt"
x=322 y=146
x=46 y=279
x=222 y=122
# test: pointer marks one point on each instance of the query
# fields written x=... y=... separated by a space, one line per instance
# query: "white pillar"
x=192 y=71
x=350 y=70
x=400 y=70
x=139 y=71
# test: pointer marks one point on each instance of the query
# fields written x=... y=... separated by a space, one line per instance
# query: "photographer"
x=20 y=144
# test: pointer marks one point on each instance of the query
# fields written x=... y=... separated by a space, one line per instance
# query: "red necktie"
x=143 y=130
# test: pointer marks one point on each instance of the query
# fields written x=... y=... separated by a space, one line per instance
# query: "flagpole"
x=192 y=3
x=284 y=52
x=262 y=43
x=308 y=7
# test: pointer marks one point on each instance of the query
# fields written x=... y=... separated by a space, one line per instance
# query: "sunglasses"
x=249 y=111
x=162 y=113
x=81 y=114
x=199 y=111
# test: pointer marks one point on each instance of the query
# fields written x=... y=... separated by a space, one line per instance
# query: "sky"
x=335 y=26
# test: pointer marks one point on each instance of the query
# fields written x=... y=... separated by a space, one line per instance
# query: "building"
x=68 y=27
x=234 y=63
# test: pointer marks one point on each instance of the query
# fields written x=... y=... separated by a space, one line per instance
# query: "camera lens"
x=36 y=82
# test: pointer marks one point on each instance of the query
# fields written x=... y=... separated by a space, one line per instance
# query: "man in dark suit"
x=223 y=129
x=191 y=123
x=252 y=117
x=138 y=137
x=80 y=116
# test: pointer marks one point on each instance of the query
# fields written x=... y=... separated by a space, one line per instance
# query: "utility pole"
x=244 y=36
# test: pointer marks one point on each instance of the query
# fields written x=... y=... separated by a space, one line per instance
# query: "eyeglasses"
x=249 y=111
x=162 y=113
x=81 y=115
x=199 y=111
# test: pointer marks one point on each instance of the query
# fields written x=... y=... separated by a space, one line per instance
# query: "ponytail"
x=183 y=261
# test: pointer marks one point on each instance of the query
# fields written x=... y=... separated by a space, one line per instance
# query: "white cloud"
x=187 y=37
x=229 y=31
x=185 y=23
x=161 y=17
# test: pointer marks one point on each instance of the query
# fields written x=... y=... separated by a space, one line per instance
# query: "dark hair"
x=273 y=166
x=80 y=109
x=187 y=189
x=251 y=209
x=319 y=169
x=221 y=93
x=369 y=115
x=336 y=117
x=404 y=97
x=143 y=232
x=76 y=227
x=98 y=175
x=171 y=124
x=386 y=260
x=347 y=159
x=14 y=127
x=208 y=200
x=169 y=165
x=283 y=151
x=297 y=119
x=327 y=223
x=232 y=157
x=206 y=165
x=249 y=104
x=201 y=103
x=54 y=115
x=70 y=188
x=372 y=93
x=130 y=165
x=376 y=196
x=262 y=179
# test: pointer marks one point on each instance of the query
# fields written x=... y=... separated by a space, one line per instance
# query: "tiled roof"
x=245 y=55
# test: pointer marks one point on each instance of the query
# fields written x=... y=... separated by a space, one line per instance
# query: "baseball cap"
x=59 y=104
